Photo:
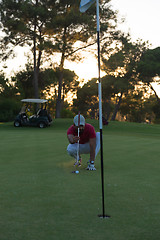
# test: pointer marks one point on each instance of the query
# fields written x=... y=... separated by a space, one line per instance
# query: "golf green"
x=40 y=199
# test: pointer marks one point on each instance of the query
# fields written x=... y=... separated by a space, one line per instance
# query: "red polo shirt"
x=89 y=132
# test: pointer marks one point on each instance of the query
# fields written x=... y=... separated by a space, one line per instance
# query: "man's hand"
x=91 y=166
x=73 y=139
x=76 y=139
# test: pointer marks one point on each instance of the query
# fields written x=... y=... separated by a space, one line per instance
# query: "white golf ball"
x=76 y=171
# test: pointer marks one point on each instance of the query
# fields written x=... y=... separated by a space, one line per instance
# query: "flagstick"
x=100 y=111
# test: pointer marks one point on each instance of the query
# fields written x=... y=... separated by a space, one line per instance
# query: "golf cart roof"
x=32 y=100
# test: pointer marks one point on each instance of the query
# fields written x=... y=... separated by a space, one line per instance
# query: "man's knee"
x=97 y=137
x=97 y=143
x=71 y=149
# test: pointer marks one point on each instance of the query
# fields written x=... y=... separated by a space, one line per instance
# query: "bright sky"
x=142 y=18
x=142 y=22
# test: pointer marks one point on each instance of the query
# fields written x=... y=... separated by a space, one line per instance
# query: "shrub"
x=9 y=108
x=66 y=113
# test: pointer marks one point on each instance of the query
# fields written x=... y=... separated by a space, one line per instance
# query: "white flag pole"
x=100 y=110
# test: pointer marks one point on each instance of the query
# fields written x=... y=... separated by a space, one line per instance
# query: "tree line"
x=50 y=27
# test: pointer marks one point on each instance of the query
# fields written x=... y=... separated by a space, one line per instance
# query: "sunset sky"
x=142 y=21
x=142 y=18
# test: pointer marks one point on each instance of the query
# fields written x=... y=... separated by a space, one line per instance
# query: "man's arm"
x=72 y=139
x=92 y=143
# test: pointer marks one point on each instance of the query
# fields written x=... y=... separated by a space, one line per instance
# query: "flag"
x=85 y=4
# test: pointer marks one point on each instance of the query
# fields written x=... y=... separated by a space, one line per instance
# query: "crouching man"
x=89 y=141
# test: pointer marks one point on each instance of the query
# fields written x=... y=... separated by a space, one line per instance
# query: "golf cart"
x=40 y=118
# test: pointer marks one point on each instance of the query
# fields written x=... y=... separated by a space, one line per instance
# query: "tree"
x=121 y=63
x=8 y=103
x=53 y=26
x=133 y=108
x=149 y=68
x=6 y=88
x=25 y=23
x=48 y=79
x=74 y=26
x=70 y=82
x=87 y=101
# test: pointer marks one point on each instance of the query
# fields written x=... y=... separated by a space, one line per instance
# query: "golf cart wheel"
x=17 y=124
x=41 y=125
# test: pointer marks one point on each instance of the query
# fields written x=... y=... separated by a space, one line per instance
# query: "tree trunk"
x=35 y=84
x=36 y=92
x=58 y=103
x=116 y=108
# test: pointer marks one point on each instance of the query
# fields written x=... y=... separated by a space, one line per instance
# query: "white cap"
x=81 y=120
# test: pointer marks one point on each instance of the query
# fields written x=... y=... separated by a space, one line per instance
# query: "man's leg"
x=97 y=143
x=72 y=150
x=83 y=148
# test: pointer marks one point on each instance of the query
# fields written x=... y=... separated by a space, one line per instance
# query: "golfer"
x=89 y=141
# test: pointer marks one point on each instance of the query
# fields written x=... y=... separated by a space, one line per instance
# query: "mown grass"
x=40 y=199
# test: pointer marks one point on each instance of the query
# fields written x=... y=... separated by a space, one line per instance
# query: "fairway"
x=40 y=199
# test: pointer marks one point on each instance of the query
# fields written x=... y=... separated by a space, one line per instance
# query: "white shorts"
x=83 y=148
